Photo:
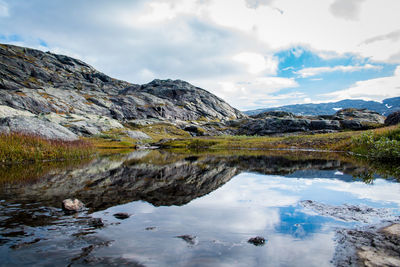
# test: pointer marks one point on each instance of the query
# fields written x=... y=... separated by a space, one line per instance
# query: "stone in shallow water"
x=257 y=241
x=74 y=205
x=190 y=239
x=96 y=222
x=122 y=215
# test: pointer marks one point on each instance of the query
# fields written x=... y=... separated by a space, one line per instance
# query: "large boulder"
x=277 y=113
x=393 y=118
x=363 y=115
x=270 y=126
x=359 y=119
x=36 y=126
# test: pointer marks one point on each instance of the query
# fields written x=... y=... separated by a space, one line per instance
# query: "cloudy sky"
x=252 y=53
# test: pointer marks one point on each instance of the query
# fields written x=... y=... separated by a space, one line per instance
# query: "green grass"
x=381 y=144
x=17 y=147
x=331 y=141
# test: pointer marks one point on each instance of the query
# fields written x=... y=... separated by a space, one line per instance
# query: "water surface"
x=215 y=203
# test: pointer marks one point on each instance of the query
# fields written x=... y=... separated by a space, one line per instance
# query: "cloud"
x=309 y=72
x=392 y=36
x=257 y=63
x=373 y=89
x=257 y=3
x=346 y=9
x=3 y=9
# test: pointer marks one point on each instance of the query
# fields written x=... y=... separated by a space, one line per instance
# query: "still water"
x=187 y=210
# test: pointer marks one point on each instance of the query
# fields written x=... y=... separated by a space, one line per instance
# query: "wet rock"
x=372 y=245
x=190 y=239
x=348 y=212
x=257 y=241
x=393 y=118
x=24 y=244
x=122 y=215
x=96 y=222
x=72 y=205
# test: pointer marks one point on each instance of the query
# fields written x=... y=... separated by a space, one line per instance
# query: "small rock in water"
x=257 y=241
x=122 y=215
x=96 y=222
x=190 y=239
x=150 y=228
x=72 y=205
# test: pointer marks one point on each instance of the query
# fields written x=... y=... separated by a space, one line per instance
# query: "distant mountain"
x=387 y=106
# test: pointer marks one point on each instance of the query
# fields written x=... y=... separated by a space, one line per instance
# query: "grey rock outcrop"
x=270 y=123
x=393 y=118
x=36 y=126
x=45 y=83
x=137 y=135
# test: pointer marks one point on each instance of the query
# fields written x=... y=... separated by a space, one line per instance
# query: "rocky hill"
x=68 y=92
x=60 y=97
x=387 y=106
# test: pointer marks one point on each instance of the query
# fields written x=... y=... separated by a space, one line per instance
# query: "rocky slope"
x=70 y=93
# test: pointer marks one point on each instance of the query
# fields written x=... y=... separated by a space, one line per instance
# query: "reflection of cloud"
x=380 y=191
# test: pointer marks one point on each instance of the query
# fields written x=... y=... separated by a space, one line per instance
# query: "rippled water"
x=188 y=210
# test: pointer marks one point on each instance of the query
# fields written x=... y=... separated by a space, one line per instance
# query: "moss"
x=163 y=131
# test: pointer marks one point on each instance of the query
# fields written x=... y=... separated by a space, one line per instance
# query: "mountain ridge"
x=387 y=106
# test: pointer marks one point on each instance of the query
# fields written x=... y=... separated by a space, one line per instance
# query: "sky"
x=251 y=53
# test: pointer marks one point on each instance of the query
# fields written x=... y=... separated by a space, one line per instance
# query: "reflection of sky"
x=248 y=205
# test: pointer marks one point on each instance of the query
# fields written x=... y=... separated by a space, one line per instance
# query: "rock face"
x=393 y=118
x=36 y=126
x=278 y=122
x=68 y=91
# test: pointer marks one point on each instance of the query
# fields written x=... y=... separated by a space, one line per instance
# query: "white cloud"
x=249 y=91
x=309 y=72
x=346 y=9
x=373 y=89
x=257 y=63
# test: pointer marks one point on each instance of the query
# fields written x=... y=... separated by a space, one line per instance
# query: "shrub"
x=379 y=145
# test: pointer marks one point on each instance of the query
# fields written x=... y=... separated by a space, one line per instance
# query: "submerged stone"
x=257 y=241
x=122 y=215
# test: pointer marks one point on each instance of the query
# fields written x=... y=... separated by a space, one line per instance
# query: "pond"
x=158 y=208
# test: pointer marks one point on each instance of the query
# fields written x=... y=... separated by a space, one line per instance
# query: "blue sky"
x=252 y=53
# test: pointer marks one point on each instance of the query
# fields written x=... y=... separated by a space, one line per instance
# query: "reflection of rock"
x=158 y=178
x=376 y=245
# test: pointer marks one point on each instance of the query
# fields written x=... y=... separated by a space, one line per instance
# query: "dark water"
x=215 y=203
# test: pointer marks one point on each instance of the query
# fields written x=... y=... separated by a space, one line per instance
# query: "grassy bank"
x=383 y=143
x=17 y=147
